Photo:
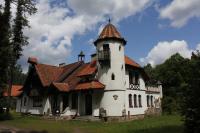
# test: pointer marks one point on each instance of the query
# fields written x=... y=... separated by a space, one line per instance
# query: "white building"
x=111 y=86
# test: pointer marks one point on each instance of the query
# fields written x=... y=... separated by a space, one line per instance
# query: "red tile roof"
x=48 y=73
x=89 y=85
x=61 y=86
x=16 y=90
x=68 y=77
x=129 y=61
x=110 y=32
x=89 y=69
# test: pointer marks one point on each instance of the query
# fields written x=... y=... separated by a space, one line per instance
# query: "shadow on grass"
x=165 y=129
x=23 y=131
x=5 y=116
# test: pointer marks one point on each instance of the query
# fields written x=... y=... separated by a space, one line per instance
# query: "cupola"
x=81 y=56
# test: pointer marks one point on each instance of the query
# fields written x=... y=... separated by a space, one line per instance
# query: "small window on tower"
x=120 y=48
x=113 y=76
x=122 y=67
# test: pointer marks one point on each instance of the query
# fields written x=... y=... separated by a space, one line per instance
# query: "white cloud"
x=198 y=46
x=53 y=28
x=163 y=50
x=181 y=11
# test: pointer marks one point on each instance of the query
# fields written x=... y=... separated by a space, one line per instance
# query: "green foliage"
x=5 y=45
x=20 y=22
x=12 y=39
x=18 y=76
x=191 y=108
x=172 y=76
x=181 y=81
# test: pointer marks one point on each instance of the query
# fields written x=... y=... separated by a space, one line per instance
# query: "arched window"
x=135 y=100
x=140 y=100
x=119 y=47
x=113 y=76
x=148 y=105
x=130 y=101
x=151 y=101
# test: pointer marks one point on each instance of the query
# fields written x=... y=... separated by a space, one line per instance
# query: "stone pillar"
x=61 y=103
x=78 y=109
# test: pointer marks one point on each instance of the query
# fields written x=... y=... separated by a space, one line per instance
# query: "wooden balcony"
x=104 y=55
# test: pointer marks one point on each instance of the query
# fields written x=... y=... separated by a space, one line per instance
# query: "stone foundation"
x=153 y=111
x=122 y=118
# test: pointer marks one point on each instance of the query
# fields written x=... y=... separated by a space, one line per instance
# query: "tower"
x=111 y=69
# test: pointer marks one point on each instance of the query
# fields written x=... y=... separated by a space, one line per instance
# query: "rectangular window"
x=37 y=101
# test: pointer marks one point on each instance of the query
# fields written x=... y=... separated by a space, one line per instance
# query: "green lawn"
x=161 y=124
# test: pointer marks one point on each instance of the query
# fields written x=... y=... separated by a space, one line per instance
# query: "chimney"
x=93 y=57
x=32 y=60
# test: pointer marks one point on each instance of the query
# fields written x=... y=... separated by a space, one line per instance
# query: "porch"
x=76 y=103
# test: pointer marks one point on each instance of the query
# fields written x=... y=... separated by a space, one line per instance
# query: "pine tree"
x=5 y=44
x=12 y=40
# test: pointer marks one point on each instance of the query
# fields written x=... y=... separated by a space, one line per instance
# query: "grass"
x=161 y=124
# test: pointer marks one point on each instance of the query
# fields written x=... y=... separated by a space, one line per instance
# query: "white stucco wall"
x=113 y=107
x=28 y=108
x=116 y=62
x=136 y=110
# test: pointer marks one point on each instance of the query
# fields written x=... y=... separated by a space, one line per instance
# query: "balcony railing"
x=153 y=89
x=134 y=86
x=104 y=55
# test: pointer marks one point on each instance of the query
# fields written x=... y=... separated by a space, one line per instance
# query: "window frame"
x=130 y=101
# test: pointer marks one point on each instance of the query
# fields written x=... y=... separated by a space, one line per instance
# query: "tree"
x=12 y=40
x=191 y=108
x=20 y=22
x=19 y=40
x=5 y=34
x=172 y=74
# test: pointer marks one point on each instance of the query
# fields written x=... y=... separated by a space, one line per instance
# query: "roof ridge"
x=66 y=74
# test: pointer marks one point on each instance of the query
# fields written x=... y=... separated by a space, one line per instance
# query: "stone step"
x=87 y=118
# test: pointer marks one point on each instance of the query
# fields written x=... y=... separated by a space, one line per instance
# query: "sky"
x=154 y=29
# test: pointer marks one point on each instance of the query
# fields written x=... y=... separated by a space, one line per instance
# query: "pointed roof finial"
x=109 y=20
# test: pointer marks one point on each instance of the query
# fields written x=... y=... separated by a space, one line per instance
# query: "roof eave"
x=110 y=38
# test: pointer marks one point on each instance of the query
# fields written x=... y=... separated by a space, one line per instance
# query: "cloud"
x=56 y=23
x=180 y=11
x=163 y=50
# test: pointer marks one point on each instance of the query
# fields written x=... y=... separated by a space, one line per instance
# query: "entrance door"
x=88 y=104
